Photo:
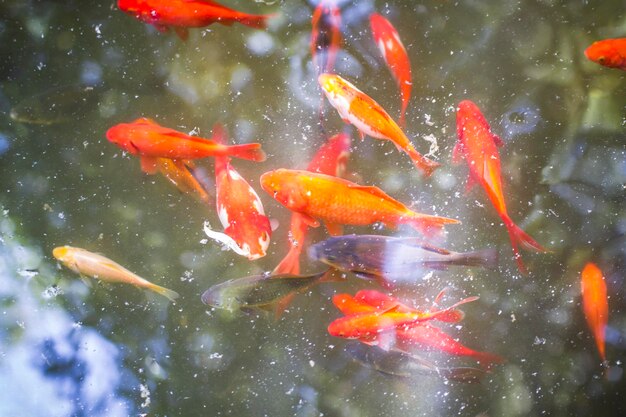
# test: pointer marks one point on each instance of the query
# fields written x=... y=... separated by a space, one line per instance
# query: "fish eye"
x=601 y=59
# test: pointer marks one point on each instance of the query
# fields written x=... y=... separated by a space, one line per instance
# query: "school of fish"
x=322 y=192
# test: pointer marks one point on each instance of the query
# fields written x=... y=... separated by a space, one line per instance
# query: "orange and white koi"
x=147 y=139
x=183 y=14
x=340 y=202
x=247 y=229
x=325 y=35
x=479 y=146
x=330 y=159
x=395 y=56
x=595 y=304
x=360 y=110
x=608 y=52
x=99 y=267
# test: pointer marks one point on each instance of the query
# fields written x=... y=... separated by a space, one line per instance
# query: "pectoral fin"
x=148 y=164
x=334 y=229
x=309 y=221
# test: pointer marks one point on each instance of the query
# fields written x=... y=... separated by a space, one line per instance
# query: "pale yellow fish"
x=97 y=266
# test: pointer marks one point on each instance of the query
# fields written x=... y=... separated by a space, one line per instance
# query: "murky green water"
x=70 y=350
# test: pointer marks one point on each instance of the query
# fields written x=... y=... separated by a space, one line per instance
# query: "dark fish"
x=257 y=291
x=392 y=258
x=59 y=105
x=405 y=365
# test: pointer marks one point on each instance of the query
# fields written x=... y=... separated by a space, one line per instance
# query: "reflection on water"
x=53 y=365
x=112 y=350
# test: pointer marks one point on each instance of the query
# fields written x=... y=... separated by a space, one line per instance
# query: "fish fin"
x=428 y=225
x=309 y=221
x=519 y=237
x=457 y=153
x=255 y=21
x=361 y=133
x=227 y=241
x=420 y=243
x=290 y=263
x=249 y=151
x=148 y=164
x=334 y=229
x=166 y=292
x=497 y=140
x=183 y=33
x=86 y=280
x=274 y=223
x=380 y=279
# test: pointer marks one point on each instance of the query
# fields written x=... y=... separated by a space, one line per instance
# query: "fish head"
x=120 y=136
x=339 y=252
x=66 y=255
x=603 y=53
x=256 y=240
x=283 y=185
x=62 y=253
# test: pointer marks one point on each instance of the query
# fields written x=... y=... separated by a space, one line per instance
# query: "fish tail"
x=255 y=21
x=487 y=258
x=486 y=360
x=290 y=263
x=519 y=237
x=427 y=166
x=249 y=151
x=166 y=292
x=428 y=225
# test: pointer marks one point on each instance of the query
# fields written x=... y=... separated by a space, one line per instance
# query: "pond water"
x=68 y=349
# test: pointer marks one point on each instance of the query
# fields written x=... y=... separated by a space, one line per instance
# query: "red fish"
x=325 y=35
x=337 y=202
x=360 y=110
x=366 y=325
x=479 y=146
x=595 y=304
x=330 y=159
x=148 y=140
x=182 y=173
x=608 y=52
x=183 y=14
x=426 y=335
x=247 y=230
x=395 y=56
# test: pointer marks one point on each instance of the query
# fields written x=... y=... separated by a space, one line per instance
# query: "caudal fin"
x=487 y=258
x=428 y=225
x=166 y=292
x=256 y=21
x=520 y=238
x=427 y=166
x=290 y=263
x=249 y=151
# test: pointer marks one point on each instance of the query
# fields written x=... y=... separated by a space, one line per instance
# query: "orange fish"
x=595 y=304
x=337 y=202
x=360 y=110
x=608 y=52
x=247 y=229
x=325 y=35
x=366 y=325
x=432 y=337
x=479 y=146
x=183 y=14
x=395 y=56
x=146 y=138
x=182 y=173
x=330 y=159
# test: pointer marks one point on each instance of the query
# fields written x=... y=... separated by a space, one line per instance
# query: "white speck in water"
x=144 y=392
x=311 y=363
